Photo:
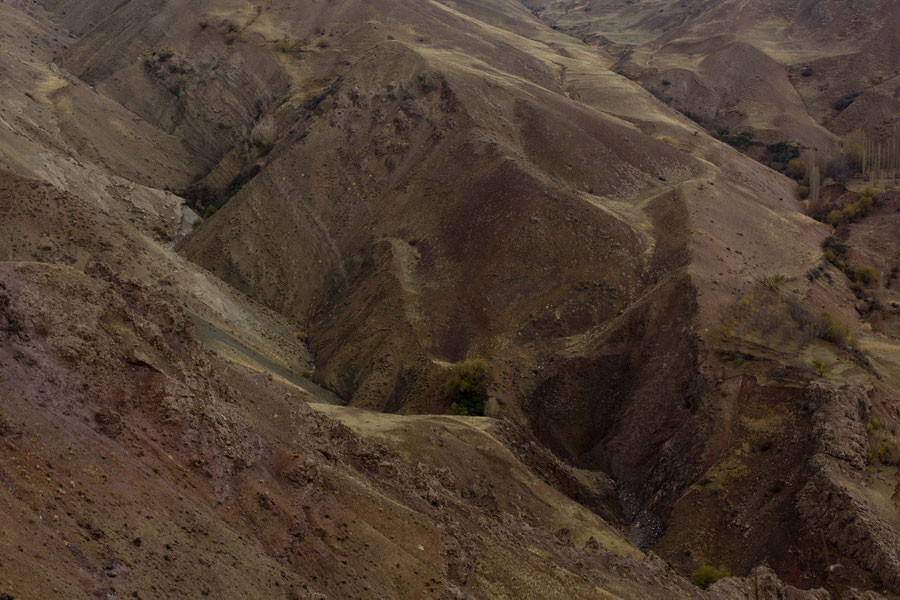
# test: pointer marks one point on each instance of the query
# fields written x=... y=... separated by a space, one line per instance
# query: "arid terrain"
x=243 y=244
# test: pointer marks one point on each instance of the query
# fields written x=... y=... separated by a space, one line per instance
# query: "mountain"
x=778 y=70
x=226 y=221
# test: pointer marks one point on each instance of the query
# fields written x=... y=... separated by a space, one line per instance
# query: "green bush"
x=835 y=251
x=832 y=331
x=467 y=388
x=706 y=575
x=741 y=141
x=773 y=282
x=869 y=193
x=783 y=152
x=796 y=168
x=864 y=274
x=820 y=367
x=853 y=211
x=835 y=217
x=802 y=192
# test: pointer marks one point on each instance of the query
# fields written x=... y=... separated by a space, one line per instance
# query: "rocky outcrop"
x=839 y=418
x=136 y=463
x=835 y=498
x=763 y=584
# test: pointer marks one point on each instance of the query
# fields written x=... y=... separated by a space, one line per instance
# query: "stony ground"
x=411 y=186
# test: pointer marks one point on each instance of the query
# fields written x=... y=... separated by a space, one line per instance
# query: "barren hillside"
x=218 y=212
x=776 y=70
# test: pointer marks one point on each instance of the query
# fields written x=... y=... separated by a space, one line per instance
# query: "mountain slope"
x=772 y=69
x=411 y=185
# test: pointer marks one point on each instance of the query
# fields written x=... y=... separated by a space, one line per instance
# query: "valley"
x=244 y=243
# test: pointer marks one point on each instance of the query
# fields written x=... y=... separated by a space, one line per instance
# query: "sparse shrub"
x=885 y=448
x=835 y=251
x=845 y=100
x=200 y=197
x=815 y=272
x=666 y=82
x=766 y=320
x=832 y=331
x=820 y=367
x=726 y=333
x=467 y=387
x=796 y=168
x=864 y=274
x=798 y=312
x=773 y=282
x=741 y=141
x=835 y=217
x=288 y=46
x=869 y=193
x=855 y=210
x=887 y=453
x=783 y=152
x=861 y=358
x=706 y=575
x=263 y=132
x=210 y=211
x=865 y=204
x=802 y=192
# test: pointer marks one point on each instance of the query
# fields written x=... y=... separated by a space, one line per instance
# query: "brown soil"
x=137 y=464
x=412 y=186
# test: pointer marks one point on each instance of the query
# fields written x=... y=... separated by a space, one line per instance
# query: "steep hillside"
x=403 y=186
x=137 y=464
